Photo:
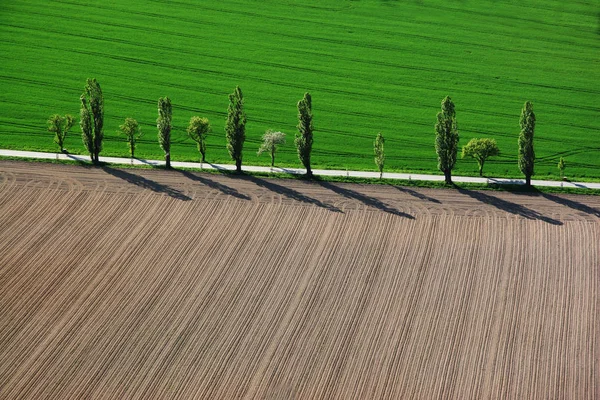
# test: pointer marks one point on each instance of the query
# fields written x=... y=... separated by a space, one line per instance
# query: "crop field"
x=371 y=66
x=172 y=284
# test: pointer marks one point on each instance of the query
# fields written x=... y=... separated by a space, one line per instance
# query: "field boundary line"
x=294 y=171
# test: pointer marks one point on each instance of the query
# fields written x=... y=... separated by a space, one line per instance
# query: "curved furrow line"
x=86 y=300
x=361 y=380
x=313 y=224
x=255 y=327
x=421 y=260
x=41 y=210
x=113 y=378
x=361 y=329
x=304 y=303
x=48 y=292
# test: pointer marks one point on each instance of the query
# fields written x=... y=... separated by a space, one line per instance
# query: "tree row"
x=446 y=131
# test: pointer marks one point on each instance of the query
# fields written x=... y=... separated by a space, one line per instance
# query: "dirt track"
x=152 y=284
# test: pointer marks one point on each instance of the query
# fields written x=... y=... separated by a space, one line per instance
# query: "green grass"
x=371 y=66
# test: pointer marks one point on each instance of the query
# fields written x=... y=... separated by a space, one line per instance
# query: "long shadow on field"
x=572 y=204
x=145 y=183
x=508 y=206
x=290 y=193
x=214 y=185
x=418 y=195
x=367 y=200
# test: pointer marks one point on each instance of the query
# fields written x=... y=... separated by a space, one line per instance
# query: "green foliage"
x=304 y=137
x=198 y=129
x=446 y=138
x=132 y=132
x=164 y=125
x=235 y=127
x=92 y=118
x=60 y=127
x=526 y=152
x=379 y=153
x=270 y=141
x=480 y=150
x=561 y=167
x=352 y=66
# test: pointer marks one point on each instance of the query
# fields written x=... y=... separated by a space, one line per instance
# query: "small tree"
x=561 y=168
x=197 y=130
x=163 y=124
x=446 y=140
x=271 y=140
x=379 y=153
x=480 y=150
x=304 y=137
x=132 y=132
x=526 y=153
x=60 y=127
x=235 y=127
x=92 y=118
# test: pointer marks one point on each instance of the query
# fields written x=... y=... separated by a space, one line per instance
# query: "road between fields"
x=296 y=171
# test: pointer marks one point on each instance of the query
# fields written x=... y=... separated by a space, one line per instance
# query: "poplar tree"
x=92 y=118
x=446 y=140
x=379 y=153
x=561 y=167
x=235 y=127
x=304 y=137
x=526 y=153
x=163 y=124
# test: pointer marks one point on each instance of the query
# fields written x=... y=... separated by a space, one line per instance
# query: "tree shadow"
x=145 y=183
x=367 y=200
x=290 y=193
x=508 y=206
x=572 y=204
x=214 y=185
x=418 y=195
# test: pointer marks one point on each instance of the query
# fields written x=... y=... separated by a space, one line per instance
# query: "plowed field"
x=153 y=284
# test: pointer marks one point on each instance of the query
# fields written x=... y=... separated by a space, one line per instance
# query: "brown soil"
x=153 y=284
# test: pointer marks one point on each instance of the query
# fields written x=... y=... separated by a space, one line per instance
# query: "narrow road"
x=297 y=171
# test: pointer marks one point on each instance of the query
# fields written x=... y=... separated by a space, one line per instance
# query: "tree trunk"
x=203 y=158
x=168 y=160
x=528 y=180
x=272 y=159
x=238 y=165
x=309 y=172
x=448 y=177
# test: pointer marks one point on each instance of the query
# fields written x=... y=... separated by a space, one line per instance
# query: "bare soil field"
x=146 y=284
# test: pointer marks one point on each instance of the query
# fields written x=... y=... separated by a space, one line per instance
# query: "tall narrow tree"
x=197 y=130
x=304 y=137
x=163 y=124
x=379 y=153
x=235 y=127
x=526 y=153
x=92 y=118
x=561 y=167
x=446 y=140
x=60 y=126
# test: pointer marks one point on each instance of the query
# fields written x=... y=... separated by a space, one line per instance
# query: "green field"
x=371 y=66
